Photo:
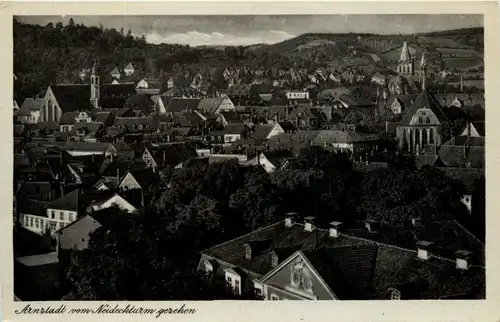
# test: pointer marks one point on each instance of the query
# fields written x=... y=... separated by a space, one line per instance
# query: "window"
x=71 y=217
x=229 y=279
x=26 y=221
x=31 y=222
x=53 y=214
x=61 y=215
x=37 y=222
x=395 y=295
x=62 y=225
x=237 y=283
x=274 y=260
x=274 y=297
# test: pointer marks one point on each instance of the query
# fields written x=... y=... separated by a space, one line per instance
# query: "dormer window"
x=248 y=251
x=274 y=259
x=395 y=294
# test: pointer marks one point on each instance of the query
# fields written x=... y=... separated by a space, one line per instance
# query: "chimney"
x=248 y=251
x=309 y=223
x=423 y=250
x=334 y=229
x=371 y=225
x=461 y=82
x=117 y=176
x=463 y=259
x=289 y=220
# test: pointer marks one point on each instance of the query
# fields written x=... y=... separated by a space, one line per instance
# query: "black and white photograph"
x=248 y=157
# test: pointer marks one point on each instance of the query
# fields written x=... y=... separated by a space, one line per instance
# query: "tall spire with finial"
x=423 y=67
x=95 y=84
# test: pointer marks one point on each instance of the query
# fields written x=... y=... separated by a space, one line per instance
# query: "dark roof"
x=359 y=264
x=262 y=131
x=72 y=97
x=89 y=127
x=32 y=104
x=68 y=118
x=424 y=100
x=86 y=146
x=177 y=105
x=106 y=118
x=134 y=123
x=145 y=177
x=209 y=105
x=67 y=202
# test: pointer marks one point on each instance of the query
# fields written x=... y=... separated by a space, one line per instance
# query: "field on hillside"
x=471 y=83
x=462 y=63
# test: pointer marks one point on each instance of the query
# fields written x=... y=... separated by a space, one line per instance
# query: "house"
x=149 y=85
x=296 y=259
x=76 y=236
x=274 y=160
x=347 y=101
x=129 y=69
x=160 y=104
x=418 y=128
x=87 y=132
x=76 y=98
x=216 y=105
x=59 y=213
x=293 y=95
x=267 y=131
x=305 y=118
x=69 y=119
x=86 y=148
x=359 y=145
x=115 y=201
x=138 y=179
x=29 y=113
x=115 y=73
x=397 y=104
x=182 y=105
x=232 y=133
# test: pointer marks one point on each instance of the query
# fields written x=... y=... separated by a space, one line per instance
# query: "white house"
x=291 y=95
x=115 y=201
x=115 y=73
x=129 y=69
x=59 y=213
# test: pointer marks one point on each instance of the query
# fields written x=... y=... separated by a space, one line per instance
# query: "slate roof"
x=261 y=131
x=209 y=105
x=106 y=118
x=72 y=97
x=67 y=202
x=86 y=146
x=32 y=104
x=177 y=105
x=145 y=177
x=133 y=123
x=424 y=100
x=363 y=265
x=68 y=118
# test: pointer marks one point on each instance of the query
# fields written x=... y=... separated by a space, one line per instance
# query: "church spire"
x=405 y=53
x=423 y=66
x=95 y=84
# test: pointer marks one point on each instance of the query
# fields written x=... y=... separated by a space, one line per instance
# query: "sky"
x=262 y=29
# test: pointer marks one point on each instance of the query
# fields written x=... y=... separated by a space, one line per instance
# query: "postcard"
x=196 y=160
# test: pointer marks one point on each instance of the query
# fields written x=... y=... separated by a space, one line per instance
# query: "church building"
x=62 y=98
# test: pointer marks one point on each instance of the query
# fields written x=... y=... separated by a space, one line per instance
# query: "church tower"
x=95 y=85
x=405 y=63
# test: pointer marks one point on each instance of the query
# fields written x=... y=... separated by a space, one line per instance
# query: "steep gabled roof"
x=209 y=105
x=424 y=100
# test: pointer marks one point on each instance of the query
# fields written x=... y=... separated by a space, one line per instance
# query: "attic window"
x=274 y=259
x=395 y=294
x=248 y=252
